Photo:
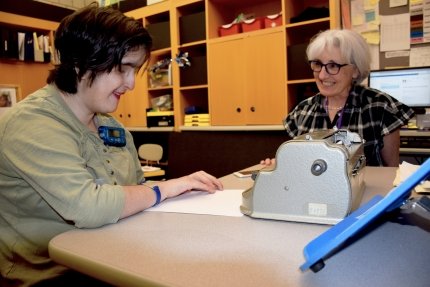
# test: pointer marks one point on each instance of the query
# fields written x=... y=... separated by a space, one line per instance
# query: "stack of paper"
x=197 y=120
x=404 y=171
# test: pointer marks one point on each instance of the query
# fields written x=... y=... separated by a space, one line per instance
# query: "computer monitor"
x=410 y=86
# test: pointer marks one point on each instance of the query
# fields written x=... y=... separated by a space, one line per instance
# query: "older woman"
x=340 y=61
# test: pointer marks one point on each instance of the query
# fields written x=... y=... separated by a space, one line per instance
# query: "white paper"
x=404 y=171
x=397 y=3
x=224 y=202
x=396 y=54
x=419 y=56
x=395 y=32
x=357 y=12
x=374 y=54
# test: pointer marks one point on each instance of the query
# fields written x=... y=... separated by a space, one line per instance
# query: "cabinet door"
x=226 y=82
x=131 y=111
x=136 y=103
x=119 y=112
x=265 y=80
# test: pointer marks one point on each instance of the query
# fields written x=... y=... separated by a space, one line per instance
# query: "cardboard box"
x=252 y=24
x=271 y=21
x=192 y=28
x=229 y=29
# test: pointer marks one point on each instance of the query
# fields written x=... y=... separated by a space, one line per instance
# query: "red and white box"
x=229 y=29
x=271 y=21
x=252 y=24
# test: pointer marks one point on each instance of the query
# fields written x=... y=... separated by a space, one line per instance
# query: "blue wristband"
x=157 y=192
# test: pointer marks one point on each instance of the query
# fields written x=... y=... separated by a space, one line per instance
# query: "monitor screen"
x=410 y=86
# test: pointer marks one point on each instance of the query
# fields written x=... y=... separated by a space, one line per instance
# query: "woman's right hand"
x=268 y=161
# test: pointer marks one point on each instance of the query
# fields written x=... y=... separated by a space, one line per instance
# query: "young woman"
x=64 y=162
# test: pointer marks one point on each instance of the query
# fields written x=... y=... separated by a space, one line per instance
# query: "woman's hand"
x=268 y=161
x=196 y=181
x=140 y=197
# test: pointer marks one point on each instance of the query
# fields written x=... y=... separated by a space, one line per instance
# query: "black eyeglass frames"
x=331 y=68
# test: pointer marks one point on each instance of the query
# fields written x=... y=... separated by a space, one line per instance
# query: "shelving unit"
x=245 y=79
x=28 y=76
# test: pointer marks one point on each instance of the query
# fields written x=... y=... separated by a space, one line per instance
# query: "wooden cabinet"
x=170 y=24
x=242 y=79
x=131 y=110
x=246 y=78
x=248 y=86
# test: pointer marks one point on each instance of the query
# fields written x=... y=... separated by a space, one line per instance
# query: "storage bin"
x=160 y=33
x=271 y=21
x=230 y=29
x=252 y=24
x=192 y=28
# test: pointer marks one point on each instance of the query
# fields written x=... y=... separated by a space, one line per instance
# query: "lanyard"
x=339 y=114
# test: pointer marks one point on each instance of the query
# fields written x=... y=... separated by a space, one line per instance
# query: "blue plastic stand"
x=321 y=247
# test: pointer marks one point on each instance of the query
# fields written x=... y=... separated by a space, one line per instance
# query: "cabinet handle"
x=128 y=115
x=238 y=110
x=120 y=115
x=252 y=109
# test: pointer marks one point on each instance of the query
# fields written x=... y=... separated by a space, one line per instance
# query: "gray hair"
x=352 y=46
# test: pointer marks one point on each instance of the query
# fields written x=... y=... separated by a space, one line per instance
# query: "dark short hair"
x=94 y=39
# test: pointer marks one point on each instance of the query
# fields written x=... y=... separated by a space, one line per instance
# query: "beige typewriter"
x=318 y=178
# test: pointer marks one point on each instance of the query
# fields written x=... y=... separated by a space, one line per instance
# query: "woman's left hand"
x=196 y=181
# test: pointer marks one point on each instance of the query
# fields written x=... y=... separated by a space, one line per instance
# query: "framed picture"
x=9 y=96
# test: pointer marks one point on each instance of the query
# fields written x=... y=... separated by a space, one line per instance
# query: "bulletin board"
x=398 y=31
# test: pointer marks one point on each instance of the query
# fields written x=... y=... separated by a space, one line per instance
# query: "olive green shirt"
x=55 y=175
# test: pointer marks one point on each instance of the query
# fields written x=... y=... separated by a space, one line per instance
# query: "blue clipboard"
x=321 y=247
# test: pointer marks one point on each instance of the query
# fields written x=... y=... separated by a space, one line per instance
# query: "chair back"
x=150 y=152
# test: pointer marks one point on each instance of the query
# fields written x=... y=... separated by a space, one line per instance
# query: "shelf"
x=241 y=79
x=164 y=88
x=304 y=81
x=309 y=22
x=193 y=87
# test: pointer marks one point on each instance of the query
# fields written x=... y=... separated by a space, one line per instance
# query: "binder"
x=38 y=47
x=9 y=43
x=46 y=49
x=4 y=38
x=28 y=47
x=21 y=41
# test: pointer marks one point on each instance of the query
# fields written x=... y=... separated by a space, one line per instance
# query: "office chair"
x=150 y=154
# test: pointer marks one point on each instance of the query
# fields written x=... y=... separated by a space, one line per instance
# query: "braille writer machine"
x=317 y=178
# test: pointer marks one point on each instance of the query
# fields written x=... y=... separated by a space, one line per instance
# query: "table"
x=154 y=173
x=169 y=249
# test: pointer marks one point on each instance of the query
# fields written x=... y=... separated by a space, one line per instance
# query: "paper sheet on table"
x=224 y=202
x=405 y=170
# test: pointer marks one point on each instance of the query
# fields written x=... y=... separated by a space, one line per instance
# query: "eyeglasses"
x=331 y=68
